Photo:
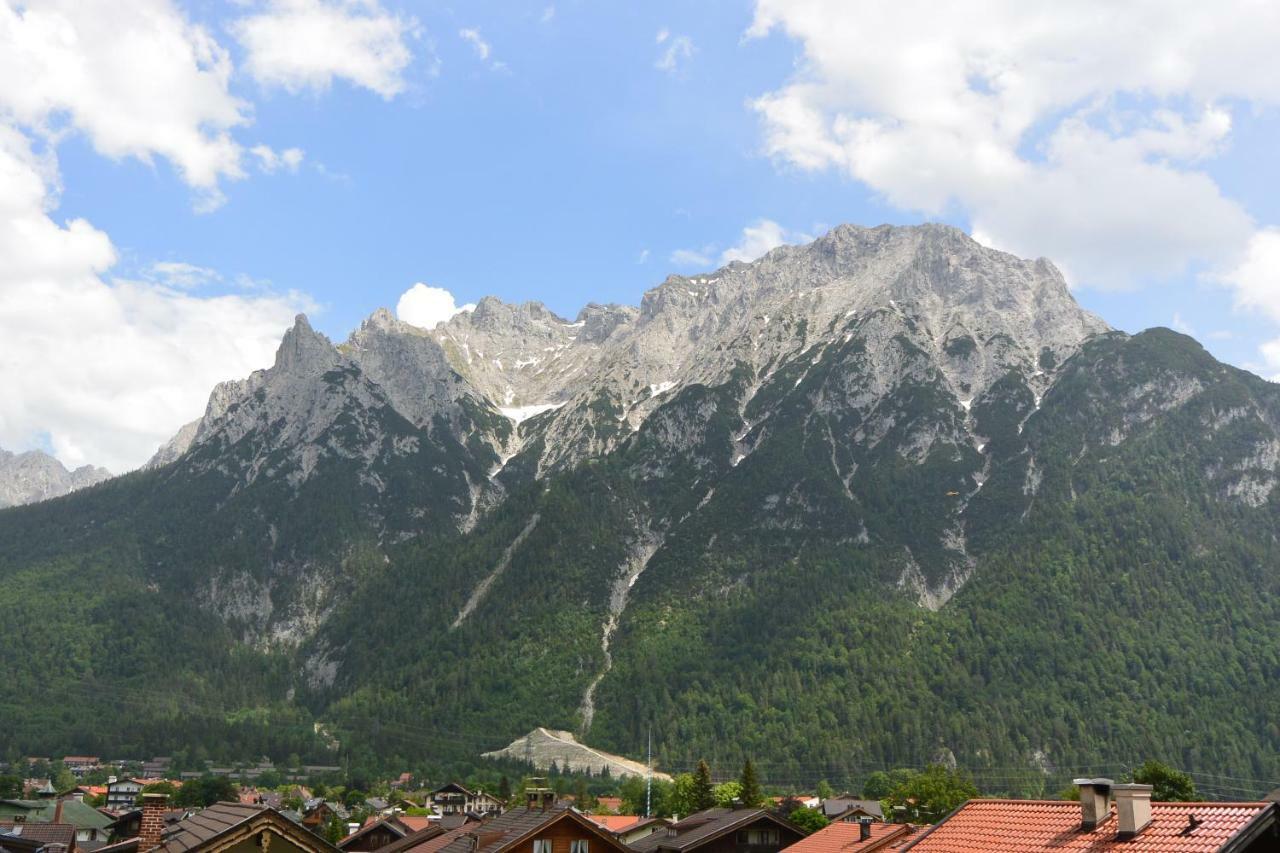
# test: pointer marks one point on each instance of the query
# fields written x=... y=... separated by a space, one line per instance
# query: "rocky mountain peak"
x=304 y=351
x=36 y=476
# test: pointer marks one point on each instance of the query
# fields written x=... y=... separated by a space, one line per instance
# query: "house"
x=157 y=767
x=375 y=835
x=455 y=799
x=854 y=837
x=629 y=828
x=129 y=824
x=22 y=837
x=317 y=813
x=808 y=801
x=91 y=826
x=122 y=794
x=723 y=831
x=80 y=765
x=220 y=828
x=1095 y=824
x=850 y=809
x=541 y=826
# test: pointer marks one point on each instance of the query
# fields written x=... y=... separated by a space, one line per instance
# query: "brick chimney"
x=1094 y=808
x=152 y=829
x=1133 y=809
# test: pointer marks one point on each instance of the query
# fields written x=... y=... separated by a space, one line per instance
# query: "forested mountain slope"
x=861 y=503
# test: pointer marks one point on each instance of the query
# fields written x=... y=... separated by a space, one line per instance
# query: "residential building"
x=122 y=794
x=374 y=835
x=1097 y=825
x=220 y=828
x=91 y=826
x=851 y=810
x=317 y=813
x=539 y=827
x=23 y=837
x=854 y=837
x=80 y=765
x=629 y=828
x=723 y=831
x=456 y=799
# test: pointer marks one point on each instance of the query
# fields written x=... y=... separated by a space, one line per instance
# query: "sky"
x=178 y=178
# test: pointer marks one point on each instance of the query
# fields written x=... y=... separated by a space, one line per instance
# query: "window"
x=542 y=845
x=579 y=846
x=758 y=837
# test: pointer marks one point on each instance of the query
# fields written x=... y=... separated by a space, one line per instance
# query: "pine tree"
x=751 y=795
x=504 y=790
x=704 y=796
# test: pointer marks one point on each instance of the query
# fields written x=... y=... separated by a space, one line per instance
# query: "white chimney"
x=1094 y=807
x=1133 y=809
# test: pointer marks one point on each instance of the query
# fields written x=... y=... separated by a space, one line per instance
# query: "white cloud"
x=693 y=257
x=105 y=371
x=1180 y=325
x=756 y=240
x=426 y=307
x=1077 y=131
x=477 y=42
x=306 y=44
x=182 y=275
x=137 y=78
x=663 y=35
x=678 y=52
x=1256 y=277
x=643 y=257
x=548 y=14
x=270 y=161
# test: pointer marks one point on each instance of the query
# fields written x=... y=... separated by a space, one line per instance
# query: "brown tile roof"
x=846 y=838
x=503 y=831
x=614 y=822
x=701 y=827
x=427 y=840
x=391 y=822
x=45 y=833
x=1027 y=826
x=206 y=825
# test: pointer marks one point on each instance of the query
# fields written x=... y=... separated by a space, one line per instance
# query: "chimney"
x=1094 y=808
x=864 y=828
x=57 y=811
x=1133 y=809
x=152 y=828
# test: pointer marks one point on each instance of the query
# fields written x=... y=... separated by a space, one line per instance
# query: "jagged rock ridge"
x=36 y=476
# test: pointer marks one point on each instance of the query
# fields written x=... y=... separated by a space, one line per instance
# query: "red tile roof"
x=414 y=822
x=1027 y=826
x=845 y=838
x=614 y=822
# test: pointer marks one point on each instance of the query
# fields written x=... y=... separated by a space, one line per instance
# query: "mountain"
x=885 y=498
x=36 y=476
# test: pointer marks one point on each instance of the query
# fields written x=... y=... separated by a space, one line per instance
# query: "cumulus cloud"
x=136 y=78
x=756 y=240
x=477 y=42
x=679 y=50
x=105 y=371
x=300 y=45
x=270 y=160
x=1076 y=132
x=182 y=275
x=426 y=307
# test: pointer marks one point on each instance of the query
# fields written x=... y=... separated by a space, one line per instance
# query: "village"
x=85 y=805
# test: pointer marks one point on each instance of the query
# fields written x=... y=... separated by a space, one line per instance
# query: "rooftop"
x=1027 y=826
x=844 y=837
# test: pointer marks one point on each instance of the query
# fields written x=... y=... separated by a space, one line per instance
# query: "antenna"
x=648 y=785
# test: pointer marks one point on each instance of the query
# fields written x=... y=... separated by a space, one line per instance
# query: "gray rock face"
x=36 y=476
x=974 y=312
x=545 y=747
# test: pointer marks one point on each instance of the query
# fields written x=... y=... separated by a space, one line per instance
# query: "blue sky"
x=570 y=152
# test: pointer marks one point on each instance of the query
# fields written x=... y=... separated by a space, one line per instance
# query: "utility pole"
x=648 y=785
